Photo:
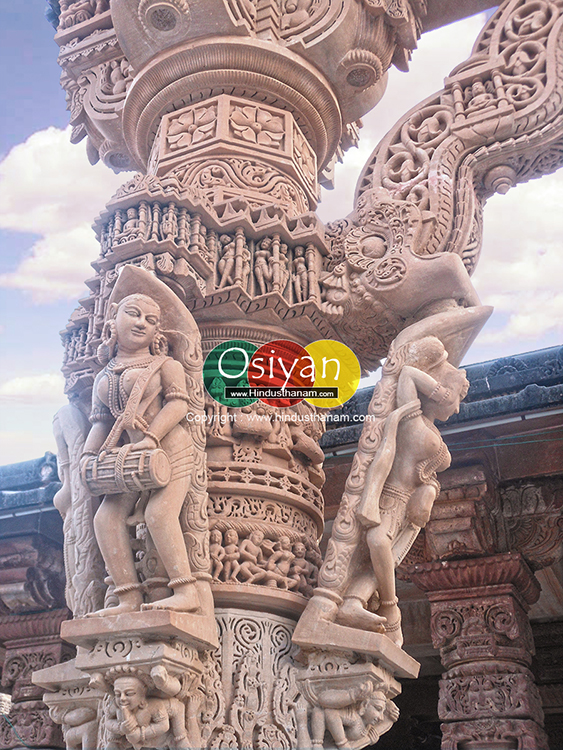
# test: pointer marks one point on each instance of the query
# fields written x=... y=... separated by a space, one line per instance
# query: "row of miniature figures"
x=268 y=562
x=259 y=267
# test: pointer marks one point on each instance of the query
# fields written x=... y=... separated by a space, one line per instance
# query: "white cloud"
x=38 y=389
x=57 y=266
x=21 y=445
x=521 y=264
x=48 y=187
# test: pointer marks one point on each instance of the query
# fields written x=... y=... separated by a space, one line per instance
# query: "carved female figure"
x=392 y=486
x=262 y=266
x=140 y=398
x=300 y=274
x=226 y=265
x=401 y=484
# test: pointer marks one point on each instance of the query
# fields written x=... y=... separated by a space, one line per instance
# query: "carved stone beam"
x=497 y=122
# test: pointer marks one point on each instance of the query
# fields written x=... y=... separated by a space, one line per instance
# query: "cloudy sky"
x=49 y=195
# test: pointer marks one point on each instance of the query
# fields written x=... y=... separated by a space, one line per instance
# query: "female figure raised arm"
x=392 y=485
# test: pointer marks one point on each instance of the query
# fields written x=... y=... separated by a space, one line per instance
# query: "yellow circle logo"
x=336 y=366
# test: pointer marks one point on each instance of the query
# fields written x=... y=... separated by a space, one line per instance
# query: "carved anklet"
x=118 y=590
x=180 y=581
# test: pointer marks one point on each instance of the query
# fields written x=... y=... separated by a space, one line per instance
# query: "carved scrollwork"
x=532 y=514
x=73 y=12
x=446 y=625
x=477 y=691
x=220 y=179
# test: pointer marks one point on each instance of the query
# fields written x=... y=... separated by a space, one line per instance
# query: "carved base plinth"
x=198 y=630
x=319 y=633
x=491 y=734
x=259 y=598
x=72 y=702
x=142 y=686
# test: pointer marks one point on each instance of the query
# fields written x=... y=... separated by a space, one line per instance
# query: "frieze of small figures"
x=260 y=556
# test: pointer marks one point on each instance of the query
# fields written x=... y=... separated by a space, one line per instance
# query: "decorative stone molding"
x=532 y=513
x=473 y=137
x=33 y=724
x=31 y=642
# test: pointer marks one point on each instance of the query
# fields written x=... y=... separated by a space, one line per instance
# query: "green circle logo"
x=227 y=366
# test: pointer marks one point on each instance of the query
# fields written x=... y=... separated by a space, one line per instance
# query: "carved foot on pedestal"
x=184 y=599
x=353 y=614
x=129 y=601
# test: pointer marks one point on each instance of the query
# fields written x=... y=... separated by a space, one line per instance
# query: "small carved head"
x=231 y=537
x=215 y=536
x=133 y=324
x=130 y=692
x=284 y=542
x=257 y=537
x=130 y=686
x=373 y=708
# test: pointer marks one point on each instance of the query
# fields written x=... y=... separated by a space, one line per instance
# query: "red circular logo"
x=281 y=364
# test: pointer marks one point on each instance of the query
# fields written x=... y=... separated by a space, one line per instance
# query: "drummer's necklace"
x=117 y=396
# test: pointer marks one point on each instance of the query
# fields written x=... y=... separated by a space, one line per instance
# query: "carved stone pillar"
x=31 y=642
x=548 y=668
x=488 y=697
x=235 y=111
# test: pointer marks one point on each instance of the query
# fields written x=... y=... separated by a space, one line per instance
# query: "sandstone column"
x=488 y=697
